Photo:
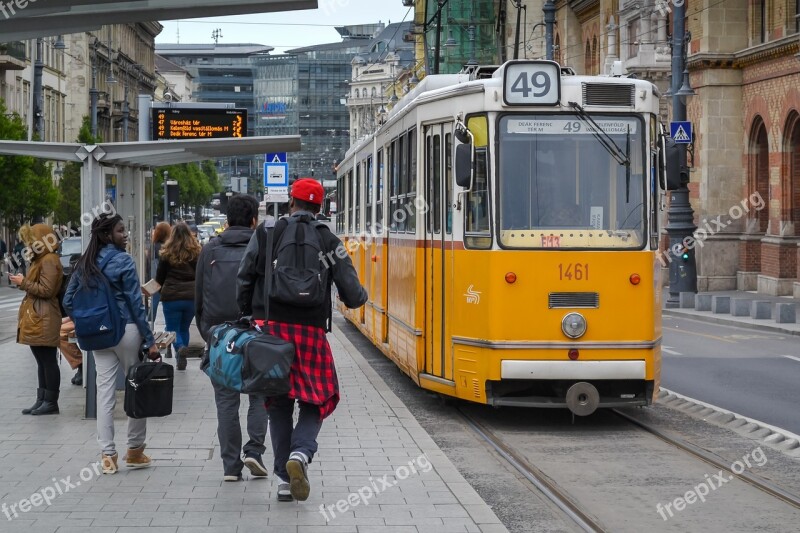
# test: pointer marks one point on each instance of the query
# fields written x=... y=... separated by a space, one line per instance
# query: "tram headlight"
x=573 y=325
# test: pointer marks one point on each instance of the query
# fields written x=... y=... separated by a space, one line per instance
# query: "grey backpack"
x=299 y=276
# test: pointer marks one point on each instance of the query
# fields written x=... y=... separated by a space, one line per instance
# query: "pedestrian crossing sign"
x=681 y=132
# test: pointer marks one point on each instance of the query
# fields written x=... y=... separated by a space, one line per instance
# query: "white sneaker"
x=297 y=468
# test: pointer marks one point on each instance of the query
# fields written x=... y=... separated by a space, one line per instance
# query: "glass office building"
x=223 y=73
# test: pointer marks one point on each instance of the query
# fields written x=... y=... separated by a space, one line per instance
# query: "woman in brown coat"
x=39 y=313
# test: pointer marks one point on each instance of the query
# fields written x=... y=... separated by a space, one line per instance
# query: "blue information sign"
x=279 y=157
x=276 y=175
x=681 y=132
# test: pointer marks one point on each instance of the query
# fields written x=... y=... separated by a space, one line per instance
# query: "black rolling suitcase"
x=148 y=390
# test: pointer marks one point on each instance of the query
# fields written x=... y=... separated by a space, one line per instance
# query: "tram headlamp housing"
x=573 y=325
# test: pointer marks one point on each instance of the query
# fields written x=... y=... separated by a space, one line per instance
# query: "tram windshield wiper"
x=623 y=158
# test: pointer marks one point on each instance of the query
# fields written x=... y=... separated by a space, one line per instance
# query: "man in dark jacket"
x=313 y=380
x=215 y=285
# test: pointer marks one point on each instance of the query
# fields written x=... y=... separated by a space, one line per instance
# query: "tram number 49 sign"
x=532 y=83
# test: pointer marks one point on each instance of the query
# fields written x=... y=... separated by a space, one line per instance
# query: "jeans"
x=107 y=362
x=178 y=315
x=154 y=306
x=230 y=433
x=285 y=440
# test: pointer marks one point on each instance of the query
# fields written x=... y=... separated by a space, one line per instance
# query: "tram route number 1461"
x=573 y=271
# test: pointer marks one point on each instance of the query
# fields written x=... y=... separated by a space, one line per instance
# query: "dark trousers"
x=285 y=438
x=47 y=363
x=178 y=315
x=230 y=433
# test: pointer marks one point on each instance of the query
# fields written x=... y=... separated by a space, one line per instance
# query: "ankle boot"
x=49 y=405
x=135 y=458
x=39 y=400
x=77 y=379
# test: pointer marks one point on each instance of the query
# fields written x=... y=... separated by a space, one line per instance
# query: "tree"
x=27 y=185
x=68 y=207
x=196 y=184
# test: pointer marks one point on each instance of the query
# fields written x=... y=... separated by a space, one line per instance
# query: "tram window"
x=380 y=193
x=347 y=189
x=370 y=199
x=339 y=196
x=357 y=197
x=448 y=182
x=428 y=173
x=412 y=158
x=402 y=167
x=436 y=193
x=478 y=233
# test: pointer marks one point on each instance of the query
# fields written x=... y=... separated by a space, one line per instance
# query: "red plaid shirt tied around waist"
x=313 y=375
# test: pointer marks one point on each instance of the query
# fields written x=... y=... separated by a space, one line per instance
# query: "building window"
x=796 y=15
x=793 y=151
x=557 y=46
x=633 y=38
x=759 y=22
x=758 y=171
x=595 y=57
x=587 y=58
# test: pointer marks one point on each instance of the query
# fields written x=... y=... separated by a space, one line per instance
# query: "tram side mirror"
x=673 y=162
x=464 y=166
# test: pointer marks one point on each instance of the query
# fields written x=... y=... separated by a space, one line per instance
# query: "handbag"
x=148 y=389
x=246 y=359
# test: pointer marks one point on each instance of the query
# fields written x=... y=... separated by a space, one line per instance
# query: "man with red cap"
x=313 y=380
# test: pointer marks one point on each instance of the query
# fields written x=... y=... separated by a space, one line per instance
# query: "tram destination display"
x=177 y=123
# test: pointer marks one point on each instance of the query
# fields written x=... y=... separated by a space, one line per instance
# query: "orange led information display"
x=199 y=123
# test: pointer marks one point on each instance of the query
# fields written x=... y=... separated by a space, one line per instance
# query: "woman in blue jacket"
x=110 y=237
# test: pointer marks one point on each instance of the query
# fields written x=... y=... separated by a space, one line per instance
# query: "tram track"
x=581 y=515
x=536 y=477
x=695 y=451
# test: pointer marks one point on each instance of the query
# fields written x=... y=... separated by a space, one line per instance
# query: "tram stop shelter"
x=122 y=174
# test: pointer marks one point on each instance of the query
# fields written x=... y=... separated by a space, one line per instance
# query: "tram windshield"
x=561 y=187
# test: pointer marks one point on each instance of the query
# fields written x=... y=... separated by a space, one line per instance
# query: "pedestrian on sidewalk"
x=160 y=235
x=313 y=381
x=3 y=253
x=20 y=263
x=109 y=237
x=215 y=283
x=177 y=264
x=40 y=314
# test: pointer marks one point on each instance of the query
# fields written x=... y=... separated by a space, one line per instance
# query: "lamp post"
x=167 y=184
x=38 y=68
x=680 y=217
x=93 y=93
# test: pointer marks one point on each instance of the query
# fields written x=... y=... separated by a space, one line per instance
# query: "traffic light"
x=685 y=254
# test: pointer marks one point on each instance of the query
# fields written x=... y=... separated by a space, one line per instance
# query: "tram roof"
x=153 y=153
x=55 y=17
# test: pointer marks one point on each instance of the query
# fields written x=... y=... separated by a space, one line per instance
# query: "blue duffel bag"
x=247 y=360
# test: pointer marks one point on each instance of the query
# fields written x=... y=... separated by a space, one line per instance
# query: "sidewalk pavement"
x=727 y=318
x=370 y=442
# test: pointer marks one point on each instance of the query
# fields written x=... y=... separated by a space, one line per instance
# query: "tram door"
x=438 y=249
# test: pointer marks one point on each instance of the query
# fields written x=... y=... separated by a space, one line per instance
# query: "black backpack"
x=299 y=277
x=219 y=283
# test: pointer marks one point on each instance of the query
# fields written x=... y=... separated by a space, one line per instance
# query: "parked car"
x=70 y=251
x=205 y=232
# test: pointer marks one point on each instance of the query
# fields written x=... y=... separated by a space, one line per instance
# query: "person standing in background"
x=3 y=253
x=177 y=263
x=160 y=235
x=40 y=314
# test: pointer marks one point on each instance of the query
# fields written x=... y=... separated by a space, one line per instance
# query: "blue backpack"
x=99 y=324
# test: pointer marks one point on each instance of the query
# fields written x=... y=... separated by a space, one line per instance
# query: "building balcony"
x=12 y=56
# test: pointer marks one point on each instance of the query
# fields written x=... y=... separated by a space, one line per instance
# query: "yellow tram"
x=505 y=223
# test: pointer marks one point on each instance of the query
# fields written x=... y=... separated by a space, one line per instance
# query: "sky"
x=286 y=30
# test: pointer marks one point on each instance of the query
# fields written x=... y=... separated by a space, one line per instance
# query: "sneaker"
x=109 y=463
x=232 y=477
x=297 y=467
x=253 y=462
x=135 y=458
x=284 y=493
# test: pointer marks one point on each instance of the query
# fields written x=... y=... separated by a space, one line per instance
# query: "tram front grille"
x=565 y=300
x=616 y=95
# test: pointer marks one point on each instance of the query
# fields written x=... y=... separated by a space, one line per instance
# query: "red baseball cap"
x=309 y=190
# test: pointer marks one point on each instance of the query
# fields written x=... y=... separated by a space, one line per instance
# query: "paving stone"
x=720 y=304
x=785 y=313
x=761 y=310
x=686 y=300
x=740 y=306
x=702 y=302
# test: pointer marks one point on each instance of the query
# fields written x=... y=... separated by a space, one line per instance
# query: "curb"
x=703 y=317
x=775 y=438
